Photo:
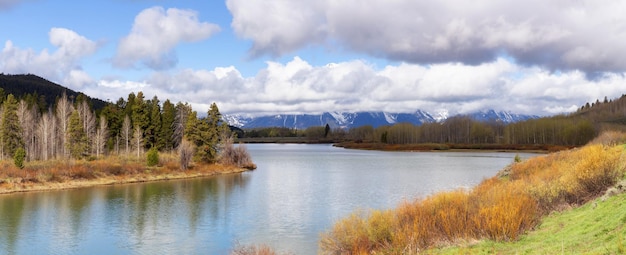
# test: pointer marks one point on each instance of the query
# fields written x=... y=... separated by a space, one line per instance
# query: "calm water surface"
x=296 y=193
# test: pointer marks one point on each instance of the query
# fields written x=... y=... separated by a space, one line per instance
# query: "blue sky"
x=274 y=56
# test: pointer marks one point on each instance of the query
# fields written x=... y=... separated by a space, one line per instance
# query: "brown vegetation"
x=63 y=174
x=444 y=147
x=500 y=208
x=237 y=156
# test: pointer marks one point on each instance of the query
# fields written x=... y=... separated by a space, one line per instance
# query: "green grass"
x=598 y=227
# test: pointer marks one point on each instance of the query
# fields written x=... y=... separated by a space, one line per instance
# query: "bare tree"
x=102 y=134
x=63 y=111
x=138 y=141
x=180 y=121
x=46 y=130
x=27 y=117
x=126 y=133
x=186 y=151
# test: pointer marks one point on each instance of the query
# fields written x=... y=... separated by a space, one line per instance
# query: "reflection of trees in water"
x=11 y=211
x=212 y=195
x=144 y=215
x=60 y=215
x=141 y=210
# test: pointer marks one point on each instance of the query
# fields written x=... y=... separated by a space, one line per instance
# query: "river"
x=296 y=193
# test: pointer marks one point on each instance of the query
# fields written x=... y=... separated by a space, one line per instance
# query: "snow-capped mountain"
x=357 y=119
x=505 y=117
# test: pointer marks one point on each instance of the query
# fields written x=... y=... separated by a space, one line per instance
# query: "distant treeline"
x=573 y=129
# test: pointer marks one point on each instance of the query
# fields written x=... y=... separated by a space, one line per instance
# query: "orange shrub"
x=500 y=209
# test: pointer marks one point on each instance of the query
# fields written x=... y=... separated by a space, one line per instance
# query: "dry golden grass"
x=59 y=174
x=500 y=208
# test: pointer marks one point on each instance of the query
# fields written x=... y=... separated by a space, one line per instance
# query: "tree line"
x=557 y=130
x=72 y=129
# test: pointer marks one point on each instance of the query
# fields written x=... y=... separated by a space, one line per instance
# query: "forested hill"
x=22 y=84
x=608 y=112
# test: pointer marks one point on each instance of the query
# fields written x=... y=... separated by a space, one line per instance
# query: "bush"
x=238 y=156
x=18 y=157
x=186 y=153
x=153 y=157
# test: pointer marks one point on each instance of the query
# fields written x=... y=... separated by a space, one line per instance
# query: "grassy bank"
x=500 y=209
x=598 y=227
x=66 y=174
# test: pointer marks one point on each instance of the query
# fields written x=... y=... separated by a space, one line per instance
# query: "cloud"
x=60 y=65
x=155 y=34
x=299 y=87
x=558 y=35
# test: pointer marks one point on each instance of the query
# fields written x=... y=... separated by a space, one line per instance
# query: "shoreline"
x=27 y=187
x=434 y=147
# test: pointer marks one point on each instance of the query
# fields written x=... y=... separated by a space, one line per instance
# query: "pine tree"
x=10 y=129
x=166 y=135
x=78 y=144
x=140 y=114
x=153 y=131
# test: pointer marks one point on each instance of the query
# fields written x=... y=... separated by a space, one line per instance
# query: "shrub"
x=238 y=156
x=186 y=151
x=517 y=158
x=153 y=157
x=18 y=157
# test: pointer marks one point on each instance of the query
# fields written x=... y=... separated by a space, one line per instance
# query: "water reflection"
x=149 y=218
x=297 y=192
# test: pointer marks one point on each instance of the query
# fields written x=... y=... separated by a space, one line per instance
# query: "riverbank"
x=111 y=170
x=501 y=209
x=594 y=228
x=540 y=148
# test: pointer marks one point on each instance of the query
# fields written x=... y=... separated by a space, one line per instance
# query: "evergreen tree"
x=78 y=144
x=166 y=136
x=153 y=131
x=10 y=127
x=140 y=116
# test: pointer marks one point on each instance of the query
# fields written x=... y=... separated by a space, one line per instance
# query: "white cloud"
x=155 y=34
x=560 y=35
x=299 y=87
x=60 y=65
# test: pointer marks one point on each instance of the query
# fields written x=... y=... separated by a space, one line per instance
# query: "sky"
x=262 y=57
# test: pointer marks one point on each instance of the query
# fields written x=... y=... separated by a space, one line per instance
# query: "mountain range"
x=356 y=119
x=48 y=91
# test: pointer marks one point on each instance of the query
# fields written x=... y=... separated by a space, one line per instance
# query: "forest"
x=30 y=130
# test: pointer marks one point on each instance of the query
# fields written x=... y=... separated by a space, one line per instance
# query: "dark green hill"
x=22 y=84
